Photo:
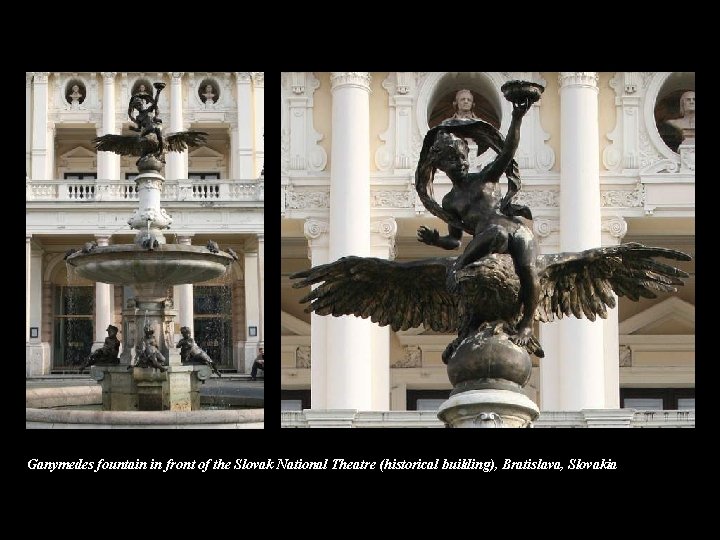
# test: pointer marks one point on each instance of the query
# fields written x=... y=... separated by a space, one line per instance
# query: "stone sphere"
x=489 y=360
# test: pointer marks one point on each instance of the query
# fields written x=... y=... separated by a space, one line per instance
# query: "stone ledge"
x=44 y=418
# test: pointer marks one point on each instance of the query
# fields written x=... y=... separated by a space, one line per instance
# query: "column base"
x=490 y=408
x=37 y=359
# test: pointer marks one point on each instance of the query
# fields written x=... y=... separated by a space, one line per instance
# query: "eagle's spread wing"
x=125 y=145
x=179 y=142
x=583 y=283
x=402 y=295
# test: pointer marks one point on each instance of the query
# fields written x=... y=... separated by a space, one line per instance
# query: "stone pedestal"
x=488 y=409
x=687 y=156
x=148 y=389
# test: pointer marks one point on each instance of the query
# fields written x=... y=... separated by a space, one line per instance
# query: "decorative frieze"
x=538 y=199
x=301 y=200
x=392 y=199
x=623 y=198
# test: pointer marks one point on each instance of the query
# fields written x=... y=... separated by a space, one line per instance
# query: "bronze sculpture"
x=491 y=294
x=147 y=353
x=191 y=353
x=150 y=142
x=108 y=353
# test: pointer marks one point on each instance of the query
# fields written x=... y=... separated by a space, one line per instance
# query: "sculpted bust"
x=686 y=123
x=464 y=105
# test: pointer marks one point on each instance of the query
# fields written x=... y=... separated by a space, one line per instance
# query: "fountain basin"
x=130 y=264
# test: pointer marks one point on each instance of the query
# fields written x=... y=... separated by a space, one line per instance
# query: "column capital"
x=28 y=78
x=28 y=238
x=176 y=75
x=544 y=227
x=260 y=237
x=356 y=79
x=383 y=234
x=243 y=77
x=587 y=79
x=615 y=226
x=108 y=76
x=40 y=76
x=314 y=228
x=258 y=78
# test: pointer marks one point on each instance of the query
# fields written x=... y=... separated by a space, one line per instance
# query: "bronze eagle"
x=407 y=294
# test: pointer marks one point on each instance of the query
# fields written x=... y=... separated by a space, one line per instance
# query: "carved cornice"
x=314 y=228
x=177 y=74
x=615 y=226
x=108 y=75
x=578 y=78
x=357 y=79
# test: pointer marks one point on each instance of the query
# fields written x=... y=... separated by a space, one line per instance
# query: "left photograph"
x=144 y=231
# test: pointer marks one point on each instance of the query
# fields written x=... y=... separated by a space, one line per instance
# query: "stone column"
x=103 y=302
x=37 y=353
x=613 y=231
x=259 y=119
x=316 y=232
x=183 y=294
x=261 y=287
x=175 y=166
x=252 y=312
x=242 y=151
x=349 y=338
x=28 y=124
x=582 y=375
x=28 y=260
x=547 y=232
x=382 y=240
x=108 y=162
x=39 y=161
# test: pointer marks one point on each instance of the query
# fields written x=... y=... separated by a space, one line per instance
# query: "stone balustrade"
x=588 y=418
x=125 y=190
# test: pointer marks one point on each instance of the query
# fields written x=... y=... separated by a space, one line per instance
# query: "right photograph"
x=488 y=249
